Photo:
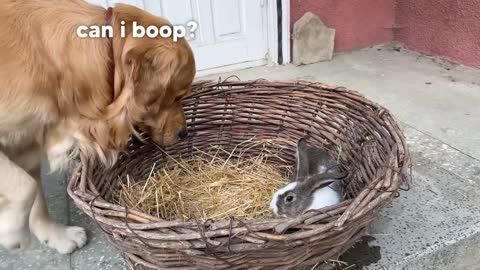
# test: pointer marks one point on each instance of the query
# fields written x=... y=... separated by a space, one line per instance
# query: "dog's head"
x=155 y=75
x=161 y=73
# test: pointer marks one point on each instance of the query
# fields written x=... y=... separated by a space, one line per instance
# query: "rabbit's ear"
x=302 y=160
x=321 y=180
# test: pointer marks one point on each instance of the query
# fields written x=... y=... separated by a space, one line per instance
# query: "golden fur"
x=55 y=90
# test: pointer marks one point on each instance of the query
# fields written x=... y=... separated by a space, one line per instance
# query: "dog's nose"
x=182 y=134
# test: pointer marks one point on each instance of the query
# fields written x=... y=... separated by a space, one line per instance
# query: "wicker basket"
x=227 y=113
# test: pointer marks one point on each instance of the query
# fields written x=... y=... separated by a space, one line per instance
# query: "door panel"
x=227 y=17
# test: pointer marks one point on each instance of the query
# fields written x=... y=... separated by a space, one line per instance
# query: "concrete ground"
x=435 y=225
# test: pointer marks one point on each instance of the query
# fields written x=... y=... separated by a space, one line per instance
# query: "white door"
x=230 y=32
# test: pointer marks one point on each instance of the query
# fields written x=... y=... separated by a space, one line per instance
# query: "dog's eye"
x=177 y=99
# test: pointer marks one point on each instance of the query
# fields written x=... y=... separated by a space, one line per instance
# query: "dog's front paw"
x=64 y=239
x=15 y=240
x=14 y=234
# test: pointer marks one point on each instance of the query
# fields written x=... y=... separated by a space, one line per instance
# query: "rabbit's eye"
x=289 y=198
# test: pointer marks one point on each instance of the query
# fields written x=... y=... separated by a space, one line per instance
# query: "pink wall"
x=446 y=28
x=358 y=23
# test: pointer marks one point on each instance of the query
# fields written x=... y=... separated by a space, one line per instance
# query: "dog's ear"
x=133 y=56
x=150 y=66
x=125 y=76
x=135 y=67
x=133 y=60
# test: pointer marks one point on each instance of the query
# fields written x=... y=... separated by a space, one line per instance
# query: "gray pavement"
x=435 y=225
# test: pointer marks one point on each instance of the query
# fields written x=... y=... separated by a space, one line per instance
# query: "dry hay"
x=210 y=186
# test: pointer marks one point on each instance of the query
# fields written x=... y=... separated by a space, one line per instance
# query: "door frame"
x=277 y=38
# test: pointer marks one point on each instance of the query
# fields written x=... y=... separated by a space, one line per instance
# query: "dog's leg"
x=64 y=239
x=17 y=194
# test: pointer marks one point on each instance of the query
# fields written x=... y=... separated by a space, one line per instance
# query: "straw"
x=214 y=185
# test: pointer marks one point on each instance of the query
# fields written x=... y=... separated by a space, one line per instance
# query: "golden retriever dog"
x=59 y=91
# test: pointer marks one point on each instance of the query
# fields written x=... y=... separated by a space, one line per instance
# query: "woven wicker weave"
x=373 y=150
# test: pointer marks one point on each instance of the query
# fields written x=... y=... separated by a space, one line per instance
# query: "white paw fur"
x=14 y=231
x=64 y=239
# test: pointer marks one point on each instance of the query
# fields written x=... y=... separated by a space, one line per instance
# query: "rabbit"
x=315 y=185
